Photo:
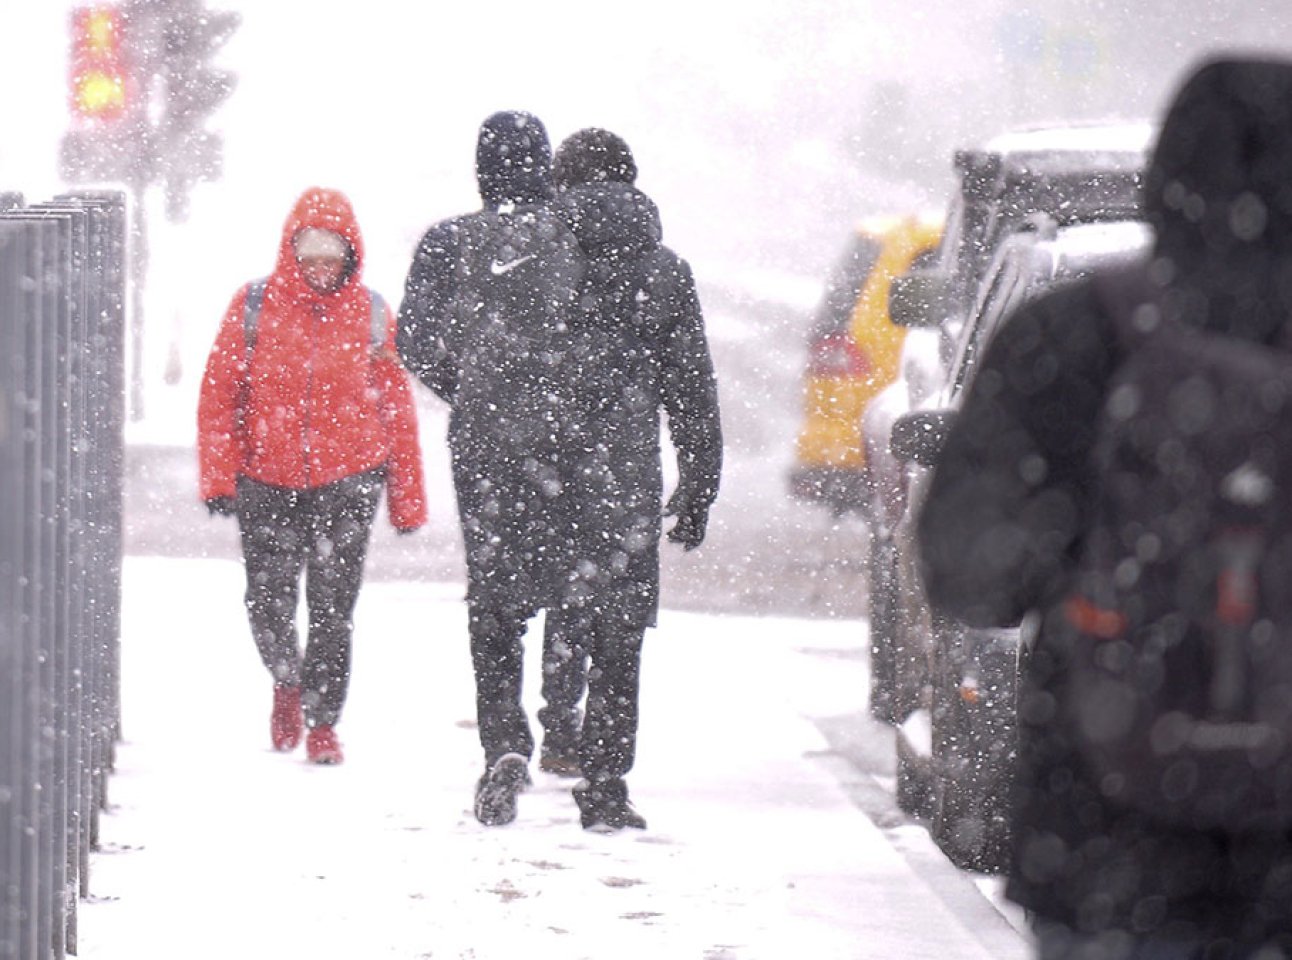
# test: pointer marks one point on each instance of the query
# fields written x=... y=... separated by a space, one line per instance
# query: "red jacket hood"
x=326 y=210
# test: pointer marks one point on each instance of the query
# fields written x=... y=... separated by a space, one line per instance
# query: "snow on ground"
x=217 y=847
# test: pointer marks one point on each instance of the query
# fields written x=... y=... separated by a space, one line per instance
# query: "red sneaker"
x=322 y=746
x=285 y=723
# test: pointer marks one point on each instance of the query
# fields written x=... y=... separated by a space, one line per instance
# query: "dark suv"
x=950 y=693
x=1072 y=174
x=960 y=684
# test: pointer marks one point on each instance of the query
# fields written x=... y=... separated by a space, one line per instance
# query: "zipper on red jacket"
x=316 y=312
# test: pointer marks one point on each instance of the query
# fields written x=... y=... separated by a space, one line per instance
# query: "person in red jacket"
x=304 y=415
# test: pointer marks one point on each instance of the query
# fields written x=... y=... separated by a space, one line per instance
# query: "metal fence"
x=62 y=418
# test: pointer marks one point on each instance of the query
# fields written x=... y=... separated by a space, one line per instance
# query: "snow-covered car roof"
x=1132 y=138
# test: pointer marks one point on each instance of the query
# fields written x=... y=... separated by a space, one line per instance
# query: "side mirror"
x=918 y=298
x=918 y=437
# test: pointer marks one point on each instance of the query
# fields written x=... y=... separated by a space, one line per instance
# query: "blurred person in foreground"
x=640 y=348
x=304 y=416
x=1010 y=522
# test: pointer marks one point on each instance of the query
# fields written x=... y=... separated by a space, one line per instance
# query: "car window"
x=952 y=236
x=845 y=284
x=1006 y=287
x=973 y=253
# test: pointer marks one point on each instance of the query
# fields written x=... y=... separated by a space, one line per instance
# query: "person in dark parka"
x=509 y=502
x=640 y=348
x=1002 y=525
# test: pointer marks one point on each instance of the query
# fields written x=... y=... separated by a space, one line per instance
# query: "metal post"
x=35 y=918
x=72 y=561
x=138 y=276
x=12 y=702
x=102 y=475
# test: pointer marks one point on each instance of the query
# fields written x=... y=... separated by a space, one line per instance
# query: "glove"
x=222 y=506
x=692 y=518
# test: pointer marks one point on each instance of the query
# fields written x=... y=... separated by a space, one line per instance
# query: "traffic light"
x=142 y=88
x=99 y=72
x=108 y=139
x=190 y=37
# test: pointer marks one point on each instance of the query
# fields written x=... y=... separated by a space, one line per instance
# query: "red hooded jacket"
x=317 y=404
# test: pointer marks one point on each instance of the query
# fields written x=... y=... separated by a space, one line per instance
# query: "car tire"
x=883 y=631
x=914 y=778
x=973 y=831
x=969 y=822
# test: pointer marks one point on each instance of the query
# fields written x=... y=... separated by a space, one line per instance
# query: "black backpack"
x=1179 y=689
x=518 y=283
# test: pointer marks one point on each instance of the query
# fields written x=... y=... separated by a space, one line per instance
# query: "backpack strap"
x=251 y=305
x=256 y=298
x=378 y=321
x=251 y=314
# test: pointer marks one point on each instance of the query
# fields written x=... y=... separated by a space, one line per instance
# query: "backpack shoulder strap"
x=251 y=314
x=378 y=321
x=1122 y=293
x=251 y=305
x=256 y=298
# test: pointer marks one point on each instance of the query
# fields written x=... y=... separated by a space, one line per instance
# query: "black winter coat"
x=577 y=520
x=640 y=348
x=1003 y=521
x=509 y=424
x=512 y=497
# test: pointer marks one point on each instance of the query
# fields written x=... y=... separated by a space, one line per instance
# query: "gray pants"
x=321 y=533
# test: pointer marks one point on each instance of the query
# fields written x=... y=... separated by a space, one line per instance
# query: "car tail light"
x=837 y=355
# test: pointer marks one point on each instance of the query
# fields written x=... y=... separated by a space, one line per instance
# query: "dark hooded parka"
x=508 y=504
x=639 y=349
x=1009 y=498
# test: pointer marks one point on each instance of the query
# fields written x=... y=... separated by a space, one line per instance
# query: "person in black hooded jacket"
x=1003 y=522
x=510 y=501
x=639 y=348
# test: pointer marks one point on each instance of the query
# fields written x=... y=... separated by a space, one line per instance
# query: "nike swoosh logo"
x=498 y=269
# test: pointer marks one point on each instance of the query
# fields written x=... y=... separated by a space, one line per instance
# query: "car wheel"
x=969 y=800
x=883 y=630
x=970 y=828
x=914 y=775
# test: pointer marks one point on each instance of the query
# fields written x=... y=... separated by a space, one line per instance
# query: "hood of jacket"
x=323 y=209
x=1219 y=195
x=593 y=155
x=513 y=159
x=613 y=220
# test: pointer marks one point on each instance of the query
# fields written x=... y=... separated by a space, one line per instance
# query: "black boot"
x=604 y=806
x=496 y=792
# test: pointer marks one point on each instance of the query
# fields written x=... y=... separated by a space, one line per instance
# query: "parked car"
x=852 y=355
x=956 y=746
x=1071 y=174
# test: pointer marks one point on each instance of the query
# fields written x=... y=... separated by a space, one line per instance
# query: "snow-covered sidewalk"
x=216 y=847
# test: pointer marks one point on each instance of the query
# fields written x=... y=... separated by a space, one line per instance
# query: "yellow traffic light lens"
x=99 y=94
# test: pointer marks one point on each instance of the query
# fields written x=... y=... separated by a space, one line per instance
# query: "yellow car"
x=852 y=355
